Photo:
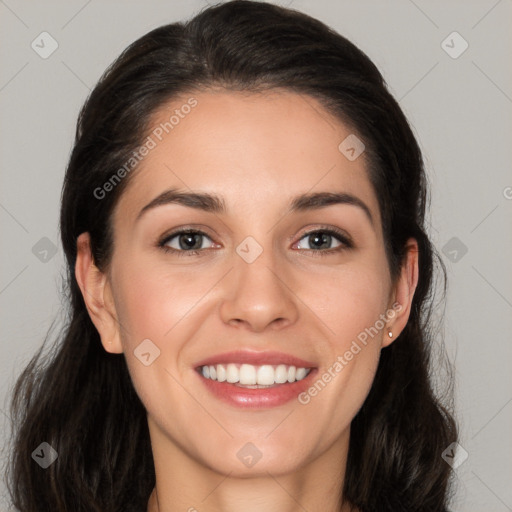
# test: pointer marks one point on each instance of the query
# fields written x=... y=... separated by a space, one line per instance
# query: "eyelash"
x=344 y=239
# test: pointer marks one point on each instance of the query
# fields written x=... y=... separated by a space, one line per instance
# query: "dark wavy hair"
x=80 y=399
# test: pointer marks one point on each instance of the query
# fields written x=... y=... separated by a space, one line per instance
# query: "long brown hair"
x=80 y=399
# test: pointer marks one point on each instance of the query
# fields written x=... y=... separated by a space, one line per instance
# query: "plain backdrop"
x=458 y=99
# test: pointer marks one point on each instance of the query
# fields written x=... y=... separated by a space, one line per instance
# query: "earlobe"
x=95 y=290
x=403 y=293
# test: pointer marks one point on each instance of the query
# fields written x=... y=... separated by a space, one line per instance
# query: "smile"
x=251 y=379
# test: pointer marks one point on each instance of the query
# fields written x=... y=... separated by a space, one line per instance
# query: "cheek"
x=151 y=300
x=347 y=299
x=166 y=305
x=351 y=303
x=154 y=303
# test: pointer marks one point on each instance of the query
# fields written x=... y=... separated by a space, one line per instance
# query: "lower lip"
x=262 y=398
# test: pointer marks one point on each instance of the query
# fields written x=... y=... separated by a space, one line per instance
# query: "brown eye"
x=321 y=241
x=184 y=242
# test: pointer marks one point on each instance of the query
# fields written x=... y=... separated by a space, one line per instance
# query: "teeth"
x=254 y=376
x=232 y=374
x=221 y=373
x=281 y=374
x=247 y=375
x=299 y=374
x=265 y=375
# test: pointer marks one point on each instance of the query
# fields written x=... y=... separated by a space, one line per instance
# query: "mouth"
x=256 y=380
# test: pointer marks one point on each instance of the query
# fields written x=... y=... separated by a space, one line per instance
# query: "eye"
x=185 y=242
x=190 y=242
x=321 y=241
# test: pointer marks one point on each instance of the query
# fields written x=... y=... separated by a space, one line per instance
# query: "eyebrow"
x=215 y=204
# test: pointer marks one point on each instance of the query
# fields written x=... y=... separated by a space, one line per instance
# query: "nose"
x=258 y=296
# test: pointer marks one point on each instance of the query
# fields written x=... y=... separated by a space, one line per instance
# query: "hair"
x=80 y=399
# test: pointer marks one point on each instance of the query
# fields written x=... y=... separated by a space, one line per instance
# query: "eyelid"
x=195 y=228
x=326 y=228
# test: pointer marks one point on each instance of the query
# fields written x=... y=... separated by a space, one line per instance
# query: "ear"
x=97 y=295
x=403 y=293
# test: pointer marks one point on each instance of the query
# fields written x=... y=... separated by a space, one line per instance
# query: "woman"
x=249 y=284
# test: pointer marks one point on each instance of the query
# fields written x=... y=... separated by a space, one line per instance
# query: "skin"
x=257 y=151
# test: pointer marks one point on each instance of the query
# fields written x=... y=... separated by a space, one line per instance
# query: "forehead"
x=256 y=150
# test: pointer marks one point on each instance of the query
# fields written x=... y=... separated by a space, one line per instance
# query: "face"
x=260 y=283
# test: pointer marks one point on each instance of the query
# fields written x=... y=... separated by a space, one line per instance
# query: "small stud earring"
x=390 y=334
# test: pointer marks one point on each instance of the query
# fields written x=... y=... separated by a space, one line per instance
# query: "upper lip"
x=256 y=359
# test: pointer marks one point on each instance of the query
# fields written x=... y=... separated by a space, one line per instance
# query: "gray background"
x=459 y=107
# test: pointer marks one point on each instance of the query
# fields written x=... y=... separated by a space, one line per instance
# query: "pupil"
x=189 y=242
x=323 y=237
